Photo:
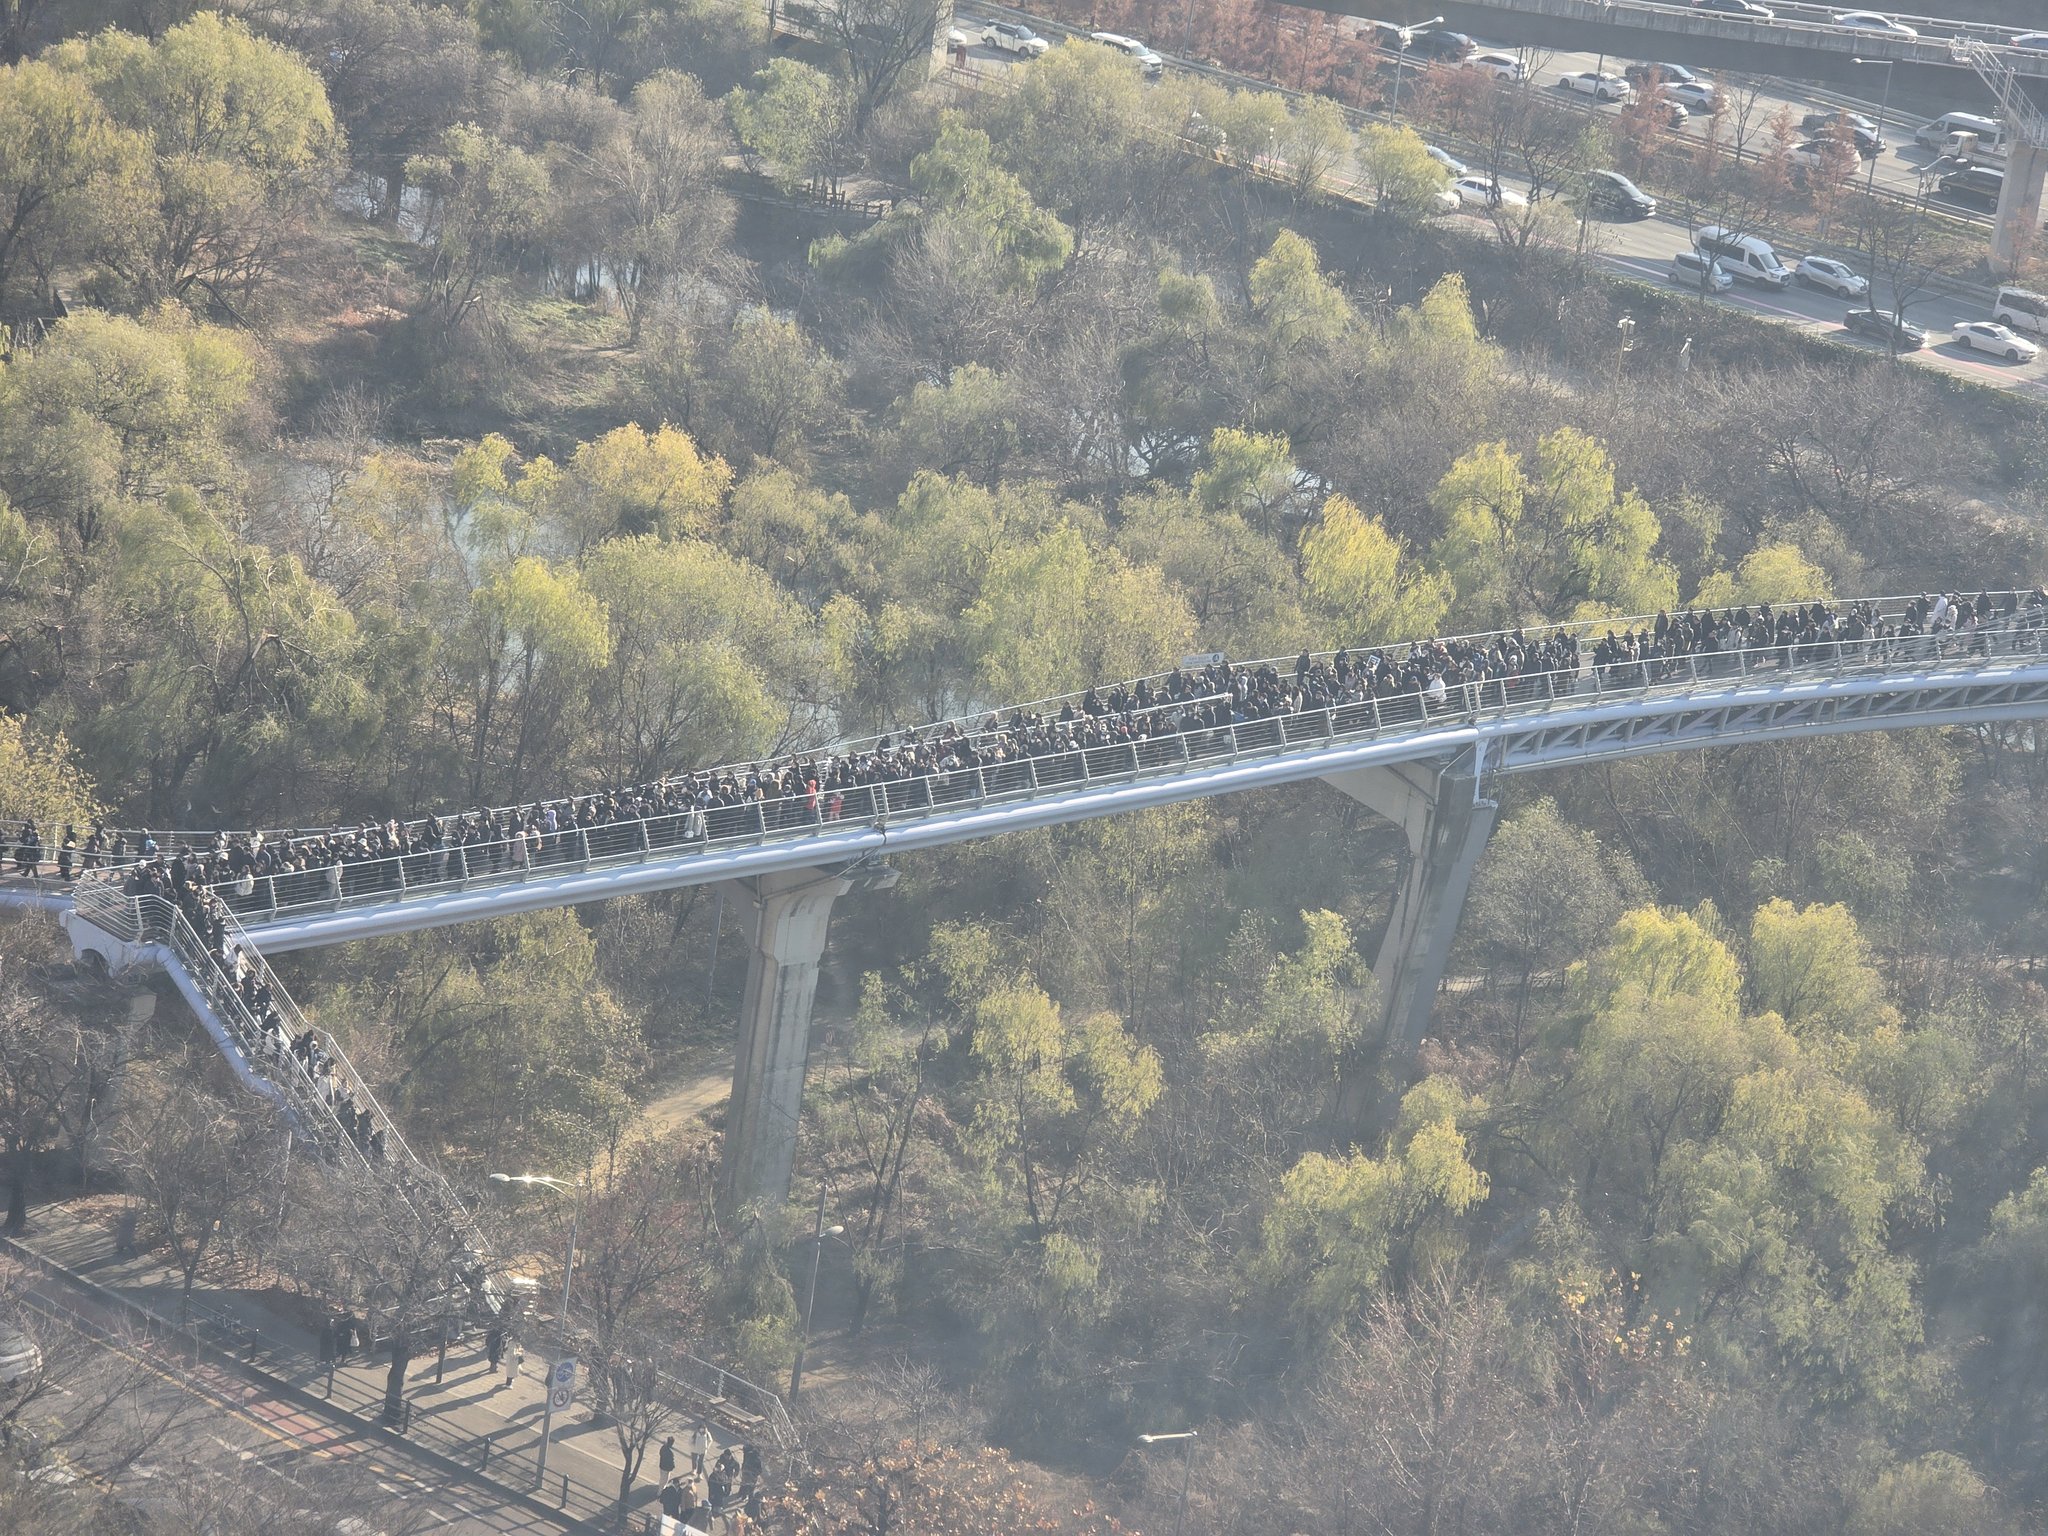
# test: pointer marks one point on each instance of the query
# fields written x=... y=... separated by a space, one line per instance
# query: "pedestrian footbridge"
x=1425 y=760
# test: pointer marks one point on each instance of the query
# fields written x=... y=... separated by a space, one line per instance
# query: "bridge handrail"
x=885 y=802
x=310 y=1112
x=971 y=721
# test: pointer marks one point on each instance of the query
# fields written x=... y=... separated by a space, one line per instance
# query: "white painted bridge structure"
x=1424 y=761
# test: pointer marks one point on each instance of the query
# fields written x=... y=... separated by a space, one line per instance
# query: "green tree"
x=707 y=660
x=1294 y=304
x=794 y=118
x=1362 y=578
x=1053 y=1094
x=40 y=780
x=968 y=193
x=1397 y=168
x=1338 y=1225
x=1057 y=613
x=1770 y=573
x=1547 y=543
x=65 y=167
x=485 y=199
x=240 y=139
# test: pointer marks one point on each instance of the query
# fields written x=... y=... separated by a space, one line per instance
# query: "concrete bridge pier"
x=2016 y=234
x=1438 y=805
x=786 y=915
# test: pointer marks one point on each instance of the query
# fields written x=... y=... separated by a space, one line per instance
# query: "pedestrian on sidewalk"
x=494 y=1347
x=327 y=1340
x=672 y=1499
x=750 y=1468
x=668 y=1459
x=517 y=1367
x=700 y=1448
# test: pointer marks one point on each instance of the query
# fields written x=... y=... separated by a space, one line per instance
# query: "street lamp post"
x=1401 y=57
x=1883 y=106
x=547 y=1409
x=803 y=1343
x=1186 y=1437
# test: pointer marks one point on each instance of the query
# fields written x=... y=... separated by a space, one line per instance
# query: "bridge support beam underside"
x=787 y=915
x=1446 y=820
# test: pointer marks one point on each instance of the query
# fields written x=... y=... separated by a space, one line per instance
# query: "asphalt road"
x=168 y=1435
x=1644 y=249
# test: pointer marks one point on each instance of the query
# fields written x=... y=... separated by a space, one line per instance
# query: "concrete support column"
x=786 y=915
x=2016 y=233
x=1439 y=807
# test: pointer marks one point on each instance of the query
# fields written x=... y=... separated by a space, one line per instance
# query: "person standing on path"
x=700 y=1448
x=494 y=1347
x=668 y=1459
x=516 y=1366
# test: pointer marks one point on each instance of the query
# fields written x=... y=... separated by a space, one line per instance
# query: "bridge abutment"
x=1440 y=809
x=2015 y=236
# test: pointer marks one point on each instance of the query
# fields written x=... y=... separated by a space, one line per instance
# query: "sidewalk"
x=470 y=1416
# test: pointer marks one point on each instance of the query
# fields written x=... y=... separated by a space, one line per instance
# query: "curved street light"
x=559 y=1186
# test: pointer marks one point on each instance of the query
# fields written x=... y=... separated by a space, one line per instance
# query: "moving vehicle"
x=1447 y=160
x=2029 y=40
x=20 y=1358
x=1600 y=86
x=1834 y=277
x=1451 y=47
x=1613 y=194
x=1942 y=132
x=1640 y=75
x=1745 y=8
x=1694 y=95
x=2022 y=309
x=1692 y=270
x=1485 y=192
x=1977 y=184
x=1502 y=66
x=1990 y=336
x=1148 y=61
x=1014 y=37
x=1875 y=21
x=1818 y=157
x=1743 y=256
x=1884 y=325
x=1820 y=122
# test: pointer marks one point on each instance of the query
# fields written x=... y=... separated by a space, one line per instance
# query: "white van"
x=1743 y=257
x=2022 y=309
x=1964 y=136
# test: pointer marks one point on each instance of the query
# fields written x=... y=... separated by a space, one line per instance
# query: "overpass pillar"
x=1447 y=822
x=2016 y=233
x=787 y=915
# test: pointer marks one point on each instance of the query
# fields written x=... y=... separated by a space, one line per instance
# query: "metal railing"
x=1180 y=744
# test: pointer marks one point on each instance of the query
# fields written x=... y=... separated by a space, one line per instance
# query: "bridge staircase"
x=151 y=928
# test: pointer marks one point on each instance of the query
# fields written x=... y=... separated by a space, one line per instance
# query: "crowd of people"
x=710 y=1490
x=1192 y=711
x=239 y=986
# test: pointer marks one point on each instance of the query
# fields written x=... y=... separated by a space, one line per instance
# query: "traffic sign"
x=563 y=1374
x=561 y=1398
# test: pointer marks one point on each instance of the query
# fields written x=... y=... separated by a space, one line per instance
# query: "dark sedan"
x=1882 y=325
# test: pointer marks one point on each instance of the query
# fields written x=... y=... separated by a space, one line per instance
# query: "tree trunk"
x=394 y=1382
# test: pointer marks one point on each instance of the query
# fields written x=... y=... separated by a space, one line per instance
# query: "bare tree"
x=881 y=40
x=198 y=1162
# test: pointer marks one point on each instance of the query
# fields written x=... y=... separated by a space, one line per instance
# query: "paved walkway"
x=466 y=1412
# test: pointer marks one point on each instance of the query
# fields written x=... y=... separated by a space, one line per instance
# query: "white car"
x=1014 y=37
x=1484 y=192
x=1447 y=199
x=1696 y=96
x=1601 y=87
x=1502 y=66
x=1983 y=336
x=1874 y=21
x=1447 y=160
x=19 y=1357
x=1834 y=276
x=1148 y=61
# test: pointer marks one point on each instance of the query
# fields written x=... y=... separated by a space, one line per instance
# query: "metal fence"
x=1177 y=746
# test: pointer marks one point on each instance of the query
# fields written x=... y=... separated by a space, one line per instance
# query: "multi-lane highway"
x=1644 y=250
